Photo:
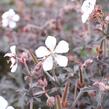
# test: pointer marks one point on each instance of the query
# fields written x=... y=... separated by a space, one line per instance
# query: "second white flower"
x=52 y=53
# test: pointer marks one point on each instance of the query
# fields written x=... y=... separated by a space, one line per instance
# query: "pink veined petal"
x=5 y=23
x=12 y=24
x=3 y=103
x=61 y=60
x=16 y=18
x=84 y=17
x=50 y=42
x=14 y=67
x=8 y=54
x=10 y=107
x=62 y=47
x=48 y=63
x=42 y=52
x=13 y=49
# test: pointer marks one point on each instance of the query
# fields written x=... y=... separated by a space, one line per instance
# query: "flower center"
x=10 y=18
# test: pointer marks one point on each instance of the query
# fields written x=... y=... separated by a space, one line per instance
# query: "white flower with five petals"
x=4 y=104
x=87 y=8
x=12 y=57
x=52 y=53
x=9 y=19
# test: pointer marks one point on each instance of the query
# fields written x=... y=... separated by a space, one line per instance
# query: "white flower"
x=9 y=18
x=53 y=53
x=12 y=56
x=87 y=8
x=4 y=104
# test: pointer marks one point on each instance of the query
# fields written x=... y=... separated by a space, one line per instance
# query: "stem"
x=65 y=94
x=33 y=56
x=26 y=66
x=81 y=76
x=107 y=47
x=39 y=93
x=31 y=104
x=55 y=77
x=58 y=102
x=30 y=84
x=104 y=47
x=46 y=94
x=75 y=91
x=49 y=76
x=82 y=90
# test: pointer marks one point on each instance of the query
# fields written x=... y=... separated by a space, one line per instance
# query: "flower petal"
x=5 y=15
x=61 y=60
x=13 y=49
x=8 y=54
x=10 y=107
x=16 y=17
x=11 y=12
x=50 y=42
x=88 y=6
x=62 y=47
x=3 y=103
x=84 y=17
x=48 y=63
x=13 y=61
x=14 y=67
x=5 y=23
x=42 y=51
x=12 y=24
